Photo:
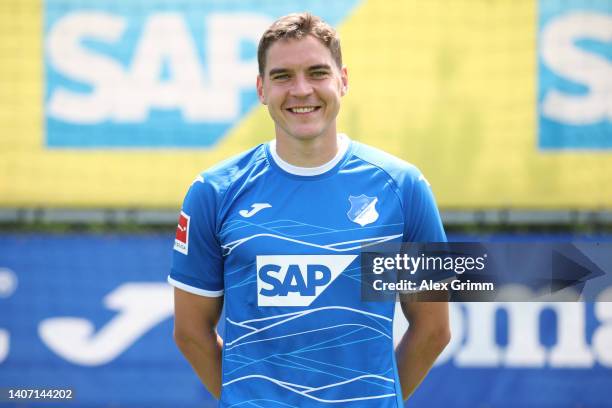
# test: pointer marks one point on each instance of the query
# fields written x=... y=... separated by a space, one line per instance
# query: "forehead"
x=296 y=54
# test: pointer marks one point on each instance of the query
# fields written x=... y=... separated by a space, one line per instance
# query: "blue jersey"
x=282 y=244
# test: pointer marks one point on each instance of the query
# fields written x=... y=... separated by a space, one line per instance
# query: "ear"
x=344 y=79
x=260 y=90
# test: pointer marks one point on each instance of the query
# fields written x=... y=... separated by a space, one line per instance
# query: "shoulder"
x=228 y=171
x=222 y=176
x=422 y=219
x=212 y=185
x=402 y=173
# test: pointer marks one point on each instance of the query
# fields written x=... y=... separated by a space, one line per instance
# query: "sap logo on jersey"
x=296 y=280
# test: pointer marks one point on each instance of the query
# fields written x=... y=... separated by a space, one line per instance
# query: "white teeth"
x=303 y=110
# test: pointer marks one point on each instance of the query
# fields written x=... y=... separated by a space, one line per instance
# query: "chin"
x=306 y=134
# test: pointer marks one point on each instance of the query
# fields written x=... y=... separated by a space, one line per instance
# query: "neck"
x=309 y=152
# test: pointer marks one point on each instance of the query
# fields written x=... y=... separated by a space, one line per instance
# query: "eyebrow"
x=319 y=66
x=275 y=71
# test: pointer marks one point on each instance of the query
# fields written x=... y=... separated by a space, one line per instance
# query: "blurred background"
x=110 y=108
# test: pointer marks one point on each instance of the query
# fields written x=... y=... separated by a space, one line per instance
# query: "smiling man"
x=275 y=235
x=301 y=81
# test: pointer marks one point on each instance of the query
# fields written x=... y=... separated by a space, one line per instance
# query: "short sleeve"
x=197 y=261
x=422 y=222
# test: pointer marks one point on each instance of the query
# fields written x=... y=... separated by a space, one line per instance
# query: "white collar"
x=343 y=144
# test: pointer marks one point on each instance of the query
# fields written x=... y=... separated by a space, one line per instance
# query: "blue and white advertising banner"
x=93 y=313
x=160 y=74
x=575 y=74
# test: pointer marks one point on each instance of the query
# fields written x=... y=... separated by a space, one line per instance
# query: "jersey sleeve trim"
x=194 y=290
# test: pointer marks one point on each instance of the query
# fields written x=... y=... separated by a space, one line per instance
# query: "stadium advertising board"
x=169 y=75
x=122 y=103
x=575 y=75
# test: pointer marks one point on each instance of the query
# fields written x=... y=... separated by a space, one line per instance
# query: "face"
x=302 y=87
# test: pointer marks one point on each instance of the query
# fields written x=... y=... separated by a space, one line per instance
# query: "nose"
x=301 y=86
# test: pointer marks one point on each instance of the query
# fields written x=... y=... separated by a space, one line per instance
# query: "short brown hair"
x=297 y=26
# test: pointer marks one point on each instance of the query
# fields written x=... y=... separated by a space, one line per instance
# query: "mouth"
x=303 y=110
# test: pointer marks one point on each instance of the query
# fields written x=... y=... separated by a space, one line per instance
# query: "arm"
x=427 y=335
x=194 y=333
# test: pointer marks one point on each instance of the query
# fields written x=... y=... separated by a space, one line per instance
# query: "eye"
x=318 y=74
x=280 y=77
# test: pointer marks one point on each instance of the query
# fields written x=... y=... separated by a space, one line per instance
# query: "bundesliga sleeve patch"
x=181 y=241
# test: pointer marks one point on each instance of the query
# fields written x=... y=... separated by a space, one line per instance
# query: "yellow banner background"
x=447 y=85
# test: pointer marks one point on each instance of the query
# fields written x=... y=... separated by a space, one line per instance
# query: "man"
x=276 y=232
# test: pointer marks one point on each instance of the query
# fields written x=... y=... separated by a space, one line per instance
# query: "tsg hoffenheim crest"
x=363 y=209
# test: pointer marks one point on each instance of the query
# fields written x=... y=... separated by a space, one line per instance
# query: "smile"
x=303 y=109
